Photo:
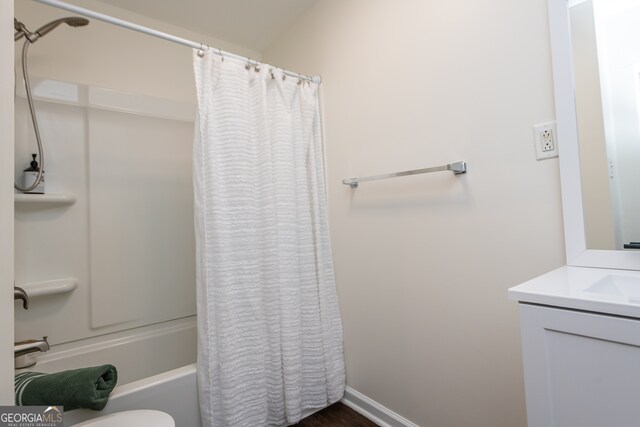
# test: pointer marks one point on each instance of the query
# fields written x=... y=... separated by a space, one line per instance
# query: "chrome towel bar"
x=457 y=168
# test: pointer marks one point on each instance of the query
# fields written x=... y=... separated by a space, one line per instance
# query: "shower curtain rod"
x=165 y=36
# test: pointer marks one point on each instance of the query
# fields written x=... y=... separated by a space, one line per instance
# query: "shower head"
x=21 y=30
x=73 y=21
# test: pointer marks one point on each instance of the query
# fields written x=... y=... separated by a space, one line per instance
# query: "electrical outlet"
x=547 y=140
x=544 y=136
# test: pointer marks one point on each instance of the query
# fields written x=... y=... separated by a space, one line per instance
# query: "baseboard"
x=371 y=409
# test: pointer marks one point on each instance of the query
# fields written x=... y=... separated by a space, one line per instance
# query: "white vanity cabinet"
x=581 y=369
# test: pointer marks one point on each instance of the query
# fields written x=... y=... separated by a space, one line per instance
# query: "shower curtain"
x=269 y=329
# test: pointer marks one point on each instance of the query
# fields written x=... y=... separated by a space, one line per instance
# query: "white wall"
x=6 y=204
x=423 y=263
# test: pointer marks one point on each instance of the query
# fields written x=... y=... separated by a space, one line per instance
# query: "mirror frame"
x=569 y=155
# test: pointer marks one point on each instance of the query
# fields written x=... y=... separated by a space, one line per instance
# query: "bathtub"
x=156 y=369
x=174 y=392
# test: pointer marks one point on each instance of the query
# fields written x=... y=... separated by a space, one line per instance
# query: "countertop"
x=599 y=290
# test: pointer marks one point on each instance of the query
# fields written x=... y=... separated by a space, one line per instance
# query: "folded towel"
x=87 y=388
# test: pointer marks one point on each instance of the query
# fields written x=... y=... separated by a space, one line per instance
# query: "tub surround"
x=99 y=268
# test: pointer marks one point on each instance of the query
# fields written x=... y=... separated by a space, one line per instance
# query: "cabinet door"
x=581 y=369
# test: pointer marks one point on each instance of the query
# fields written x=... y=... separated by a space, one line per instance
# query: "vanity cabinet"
x=581 y=368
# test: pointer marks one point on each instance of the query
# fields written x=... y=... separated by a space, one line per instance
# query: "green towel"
x=86 y=388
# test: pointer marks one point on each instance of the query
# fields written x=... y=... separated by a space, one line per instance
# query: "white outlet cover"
x=538 y=140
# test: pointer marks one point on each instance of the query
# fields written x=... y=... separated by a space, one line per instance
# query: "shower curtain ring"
x=201 y=51
x=221 y=55
x=248 y=66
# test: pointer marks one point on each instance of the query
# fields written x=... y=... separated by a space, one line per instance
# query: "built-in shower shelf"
x=50 y=287
x=44 y=200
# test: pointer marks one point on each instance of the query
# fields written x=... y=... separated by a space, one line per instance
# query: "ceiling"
x=249 y=23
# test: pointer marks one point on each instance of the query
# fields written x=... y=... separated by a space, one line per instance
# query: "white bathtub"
x=174 y=392
x=156 y=369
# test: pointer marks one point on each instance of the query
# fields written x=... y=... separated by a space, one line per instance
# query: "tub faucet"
x=19 y=293
x=24 y=352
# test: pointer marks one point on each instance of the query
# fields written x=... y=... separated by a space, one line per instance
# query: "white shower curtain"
x=270 y=333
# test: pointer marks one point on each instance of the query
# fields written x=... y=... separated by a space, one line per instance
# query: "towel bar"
x=457 y=168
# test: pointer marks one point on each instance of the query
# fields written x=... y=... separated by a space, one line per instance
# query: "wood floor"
x=336 y=415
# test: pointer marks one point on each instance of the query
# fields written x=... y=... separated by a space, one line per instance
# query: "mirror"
x=596 y=68
x=606 y=61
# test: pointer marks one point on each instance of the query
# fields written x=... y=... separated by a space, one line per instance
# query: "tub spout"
x=19 y=293
x=25 y=352
x=30 y=346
